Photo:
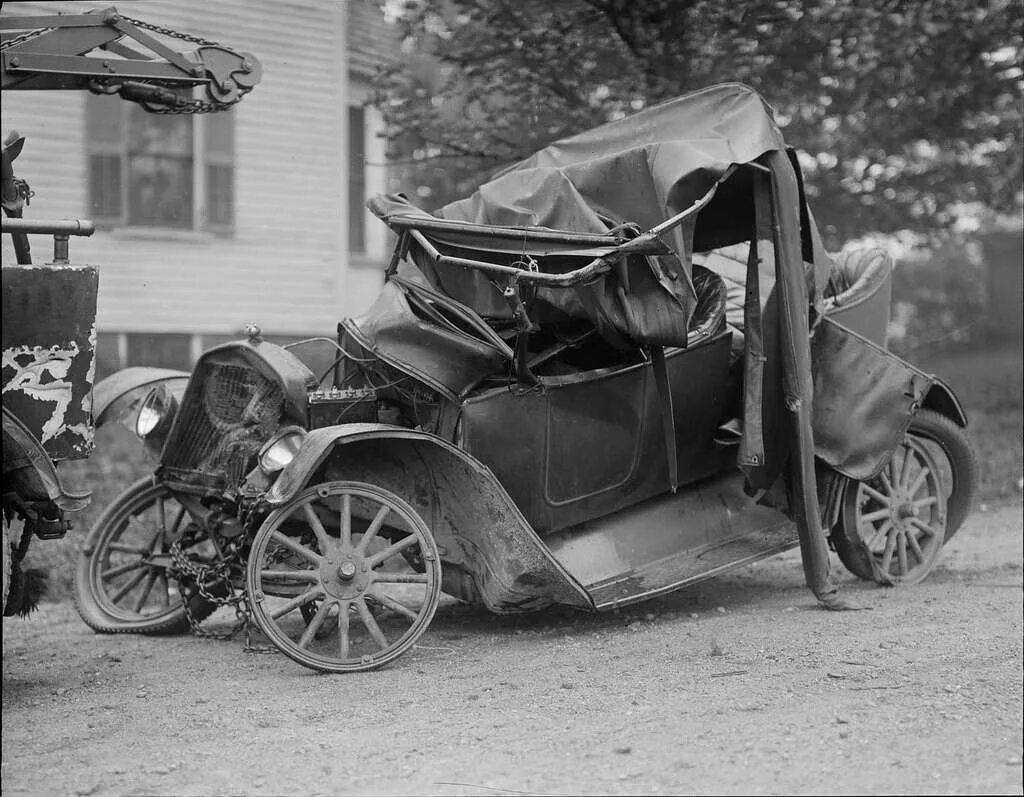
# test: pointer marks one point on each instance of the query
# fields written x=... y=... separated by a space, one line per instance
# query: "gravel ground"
x=741 y=685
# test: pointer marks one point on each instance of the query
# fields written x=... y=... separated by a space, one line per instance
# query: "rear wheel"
x=358 y=563
x=126 y=582
x=892 y=527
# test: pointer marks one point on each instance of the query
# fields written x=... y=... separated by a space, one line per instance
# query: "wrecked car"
x=622 y=366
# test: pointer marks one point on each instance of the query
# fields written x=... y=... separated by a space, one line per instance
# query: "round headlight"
x=281 y=450
x=155 y=413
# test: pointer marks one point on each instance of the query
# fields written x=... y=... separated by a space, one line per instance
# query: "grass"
x=988 y=383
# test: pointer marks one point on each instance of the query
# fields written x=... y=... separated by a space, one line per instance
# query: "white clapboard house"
x=209 y=222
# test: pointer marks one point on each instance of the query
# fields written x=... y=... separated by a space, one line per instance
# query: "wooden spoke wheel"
x=899 y=516
x=344 y=577
x=125 y=578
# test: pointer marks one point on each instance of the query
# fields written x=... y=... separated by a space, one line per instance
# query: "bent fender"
x=119 y=396
x=941 y=398
x=490 y=551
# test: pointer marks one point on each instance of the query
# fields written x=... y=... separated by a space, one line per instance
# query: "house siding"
x=286 y=267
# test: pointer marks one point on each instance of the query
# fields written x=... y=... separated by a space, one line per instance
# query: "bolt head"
x=347 y=569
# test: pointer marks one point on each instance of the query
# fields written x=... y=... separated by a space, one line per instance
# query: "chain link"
x=24 y=37
x=169 y=32
x=189 y=107
x=210 y=579
x=193 y=106
x=206 y=579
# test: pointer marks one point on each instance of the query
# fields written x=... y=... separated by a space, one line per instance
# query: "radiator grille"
x=229 y=412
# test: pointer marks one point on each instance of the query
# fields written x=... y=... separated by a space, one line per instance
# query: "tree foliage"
x=906 y=111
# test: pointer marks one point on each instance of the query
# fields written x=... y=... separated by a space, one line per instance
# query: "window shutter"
x=356 y=179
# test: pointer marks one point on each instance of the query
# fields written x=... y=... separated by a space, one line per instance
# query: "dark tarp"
x=642 y=169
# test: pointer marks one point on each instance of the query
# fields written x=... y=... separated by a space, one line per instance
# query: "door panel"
x=593 y=443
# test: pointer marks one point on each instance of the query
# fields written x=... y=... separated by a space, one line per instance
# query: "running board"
x=671 y=541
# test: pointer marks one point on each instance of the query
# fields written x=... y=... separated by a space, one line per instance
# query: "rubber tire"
x=953 y=440
x=963 y=463
x=8 y=556
x=138 y=495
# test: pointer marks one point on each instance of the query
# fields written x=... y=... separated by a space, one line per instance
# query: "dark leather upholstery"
x=856 y=274
x=709 y=316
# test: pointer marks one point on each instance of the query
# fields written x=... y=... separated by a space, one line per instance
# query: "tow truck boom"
x=105 y=52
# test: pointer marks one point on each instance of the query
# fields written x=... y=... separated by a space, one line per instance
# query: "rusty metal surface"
x=671 y=541
x=49 y=346
x=491 y=554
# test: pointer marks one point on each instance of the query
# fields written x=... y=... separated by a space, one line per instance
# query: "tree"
x=905 y=111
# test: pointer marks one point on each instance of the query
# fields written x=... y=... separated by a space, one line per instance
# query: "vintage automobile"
x=557 y=398
x=49 y=311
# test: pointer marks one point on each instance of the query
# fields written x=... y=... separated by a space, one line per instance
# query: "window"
x=356 y=179
x=147 y=170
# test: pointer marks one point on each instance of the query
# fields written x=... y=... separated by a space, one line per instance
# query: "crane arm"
x=106 y=52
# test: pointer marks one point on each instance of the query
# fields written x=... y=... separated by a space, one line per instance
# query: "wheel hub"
x=345 y=576
x=906 y=511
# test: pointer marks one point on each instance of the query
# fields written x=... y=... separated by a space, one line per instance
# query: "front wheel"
x=359 y=565
x=125 y=581
x=892 y=527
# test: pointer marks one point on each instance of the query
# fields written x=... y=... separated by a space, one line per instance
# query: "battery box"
x=335 y=406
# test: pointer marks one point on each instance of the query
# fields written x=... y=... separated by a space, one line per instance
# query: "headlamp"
x=281 y=449
x=156 y=412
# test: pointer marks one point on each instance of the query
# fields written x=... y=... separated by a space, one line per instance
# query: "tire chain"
x=205 y=577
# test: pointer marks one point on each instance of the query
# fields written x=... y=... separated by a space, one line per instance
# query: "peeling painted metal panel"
x=49 y=354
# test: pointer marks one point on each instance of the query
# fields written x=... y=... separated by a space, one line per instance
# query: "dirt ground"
x=741 y=685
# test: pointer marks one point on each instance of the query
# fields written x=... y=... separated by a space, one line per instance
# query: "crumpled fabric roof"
x=642 y=169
